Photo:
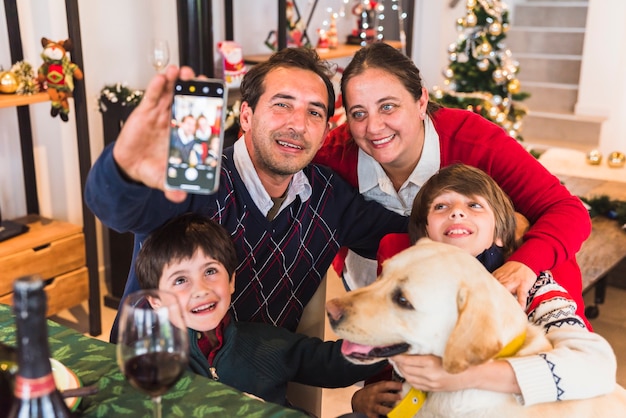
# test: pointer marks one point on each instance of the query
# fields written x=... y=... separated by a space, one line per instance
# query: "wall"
x=116 y=35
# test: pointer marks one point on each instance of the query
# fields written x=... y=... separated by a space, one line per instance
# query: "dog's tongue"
x=349 y=348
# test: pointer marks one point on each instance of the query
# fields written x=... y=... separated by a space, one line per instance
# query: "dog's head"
x=432 y=298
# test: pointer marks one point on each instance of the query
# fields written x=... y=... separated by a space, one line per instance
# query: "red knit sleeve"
x=390 y=245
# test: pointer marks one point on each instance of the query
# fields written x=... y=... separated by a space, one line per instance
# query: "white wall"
x=116 y=34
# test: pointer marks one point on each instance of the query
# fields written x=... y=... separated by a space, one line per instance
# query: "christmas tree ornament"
x=471 y=19
x=495 y=29
x=498 y=76
x=594 y=157
x=616 y=159
x=8 y=82
x=514 y=86
x=483 y=65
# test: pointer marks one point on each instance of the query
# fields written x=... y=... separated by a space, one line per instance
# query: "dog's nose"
x=334 y=312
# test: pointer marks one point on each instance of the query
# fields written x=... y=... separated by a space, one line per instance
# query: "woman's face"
x=384 y=118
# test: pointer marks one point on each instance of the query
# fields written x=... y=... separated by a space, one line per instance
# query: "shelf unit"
x=21 y=103
x=341 y=52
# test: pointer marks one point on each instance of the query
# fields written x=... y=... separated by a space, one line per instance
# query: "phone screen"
x=196 y=136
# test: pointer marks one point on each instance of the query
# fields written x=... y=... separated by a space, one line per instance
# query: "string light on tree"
x=482 y=75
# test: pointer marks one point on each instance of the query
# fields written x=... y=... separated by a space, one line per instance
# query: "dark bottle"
x=35 y=392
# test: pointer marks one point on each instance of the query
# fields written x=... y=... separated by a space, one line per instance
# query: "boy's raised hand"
x=141 y=149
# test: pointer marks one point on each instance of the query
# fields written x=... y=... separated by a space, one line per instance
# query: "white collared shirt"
x=374 y=184
x=299 y=185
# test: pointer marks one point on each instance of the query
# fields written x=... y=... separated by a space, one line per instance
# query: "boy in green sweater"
x=194 y=258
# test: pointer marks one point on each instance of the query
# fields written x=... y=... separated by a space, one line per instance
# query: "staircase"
x=546 y=37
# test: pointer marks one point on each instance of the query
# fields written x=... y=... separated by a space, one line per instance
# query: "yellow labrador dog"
x=437 y=299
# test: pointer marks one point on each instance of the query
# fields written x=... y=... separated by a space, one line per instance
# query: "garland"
x=118 y=94
x=604 y=206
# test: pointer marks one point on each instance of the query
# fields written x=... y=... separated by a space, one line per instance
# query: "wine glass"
x=152 y=345
x=160 y=54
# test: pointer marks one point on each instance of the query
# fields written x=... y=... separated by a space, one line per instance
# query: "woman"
x=395 y=139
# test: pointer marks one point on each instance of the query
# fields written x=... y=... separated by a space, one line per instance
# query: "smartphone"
x=196 y=136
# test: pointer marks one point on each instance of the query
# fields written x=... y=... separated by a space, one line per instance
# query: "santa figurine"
x=233 y=64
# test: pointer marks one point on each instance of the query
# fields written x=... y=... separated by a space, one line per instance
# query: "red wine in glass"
x=154 y=373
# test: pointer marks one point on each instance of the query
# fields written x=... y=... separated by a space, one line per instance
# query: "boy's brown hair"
x=468 y=181
x=179 y=239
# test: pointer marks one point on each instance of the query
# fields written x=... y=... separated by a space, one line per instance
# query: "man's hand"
x=518 y=278
x=377 y=399
x=141 y=148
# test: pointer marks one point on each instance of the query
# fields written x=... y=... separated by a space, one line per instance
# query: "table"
x=606 y=246
x=93 y=361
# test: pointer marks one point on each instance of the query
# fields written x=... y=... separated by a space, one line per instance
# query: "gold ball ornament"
x=497 y=75
x=471 y=20
x=8 y=82
x=514 y=86
x=594 y=157
x=616 y=159
x=495 y=29
x=484 y=48
x=470 y=4
x=483 y=65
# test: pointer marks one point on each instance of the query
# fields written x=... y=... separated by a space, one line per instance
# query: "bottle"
x=36 y=394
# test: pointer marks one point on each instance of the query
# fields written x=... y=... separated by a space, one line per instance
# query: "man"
x=287 y=218
x=184 y=143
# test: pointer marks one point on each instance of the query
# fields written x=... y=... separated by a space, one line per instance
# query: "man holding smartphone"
x=287 y=217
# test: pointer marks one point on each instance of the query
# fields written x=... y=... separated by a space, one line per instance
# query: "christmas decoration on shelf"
x=8 y=82
x=58 y=73
x=233 y=65
x=482 y=75
x=118 y=95
x=20 y=79
x=367 y=29
x=604 y=206
x=327 y=34
x=296 y=27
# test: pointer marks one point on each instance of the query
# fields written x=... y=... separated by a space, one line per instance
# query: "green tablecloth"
x=94 y=361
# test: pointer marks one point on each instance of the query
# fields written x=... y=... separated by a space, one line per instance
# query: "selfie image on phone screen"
x=196 y=136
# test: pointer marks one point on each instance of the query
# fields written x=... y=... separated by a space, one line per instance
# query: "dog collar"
x=409 y=405
x=513 y=346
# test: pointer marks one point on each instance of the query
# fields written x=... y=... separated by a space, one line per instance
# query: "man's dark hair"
x=252 y=86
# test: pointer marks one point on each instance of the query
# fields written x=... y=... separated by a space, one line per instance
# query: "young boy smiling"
x=194 y=258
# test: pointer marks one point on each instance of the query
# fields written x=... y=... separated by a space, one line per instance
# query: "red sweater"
x=559 y=221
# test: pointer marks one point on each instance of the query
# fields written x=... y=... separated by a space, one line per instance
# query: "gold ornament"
x=514 y=86
x=495 y=29
x=497 y=75
x=484 y=48
x=483 y=65
x=471 y=20
x=470 y=4
x=616 y=159
x=8 y=82
x=594 y=157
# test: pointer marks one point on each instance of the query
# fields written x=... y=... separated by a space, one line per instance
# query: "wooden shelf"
x=341 y=51
x=12 y=100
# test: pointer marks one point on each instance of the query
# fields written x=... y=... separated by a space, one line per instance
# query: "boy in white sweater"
x=462 y=206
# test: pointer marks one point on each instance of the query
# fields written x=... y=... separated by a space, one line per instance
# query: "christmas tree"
x=481 y=74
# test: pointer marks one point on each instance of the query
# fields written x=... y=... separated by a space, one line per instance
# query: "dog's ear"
x=476 y=336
